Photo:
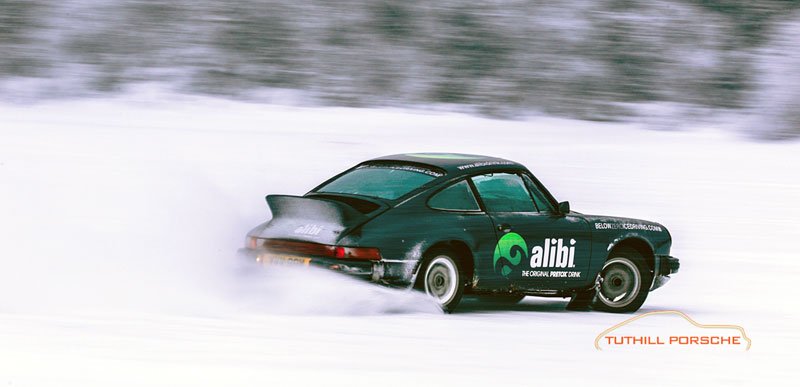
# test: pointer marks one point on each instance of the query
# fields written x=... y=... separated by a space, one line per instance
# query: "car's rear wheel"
x=442 y=279
x=622 y=285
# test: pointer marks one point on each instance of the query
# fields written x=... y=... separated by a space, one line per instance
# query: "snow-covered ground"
x=119 y=220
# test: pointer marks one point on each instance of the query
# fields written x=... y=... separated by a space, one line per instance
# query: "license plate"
x=276 y=259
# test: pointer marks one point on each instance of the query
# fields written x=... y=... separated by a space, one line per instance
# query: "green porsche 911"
x=450 y=224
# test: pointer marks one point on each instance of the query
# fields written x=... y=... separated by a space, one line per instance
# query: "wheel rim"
x=618 y=283
x=441 y=279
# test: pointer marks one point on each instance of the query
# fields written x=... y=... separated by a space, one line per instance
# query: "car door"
x=537 y=248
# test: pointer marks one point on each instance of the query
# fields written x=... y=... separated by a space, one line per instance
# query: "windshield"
x=381 y=181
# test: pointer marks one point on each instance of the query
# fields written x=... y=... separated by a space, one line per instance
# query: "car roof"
x=453 y=163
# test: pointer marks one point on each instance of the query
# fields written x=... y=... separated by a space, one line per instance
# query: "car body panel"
x=568 y=236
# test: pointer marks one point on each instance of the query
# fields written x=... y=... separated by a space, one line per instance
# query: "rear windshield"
x=381 y=181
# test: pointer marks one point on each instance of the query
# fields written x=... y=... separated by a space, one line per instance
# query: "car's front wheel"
x=622 y=284
x=442 y=279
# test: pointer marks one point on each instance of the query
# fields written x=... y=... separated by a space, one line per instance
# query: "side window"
x=503 y=192
x=457 y=197
x=541 y=201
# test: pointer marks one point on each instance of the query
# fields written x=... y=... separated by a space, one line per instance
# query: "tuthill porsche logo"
x=671 y=333
x=511 y=249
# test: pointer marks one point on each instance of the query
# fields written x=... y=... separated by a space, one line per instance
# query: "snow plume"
x=299 y=290
x=106 y=229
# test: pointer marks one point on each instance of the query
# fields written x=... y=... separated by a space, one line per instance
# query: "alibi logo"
x=308 y=229
x=508 y=253
x=511 y=249
x=554 y=253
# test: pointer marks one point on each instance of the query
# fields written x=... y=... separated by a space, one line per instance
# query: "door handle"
x=504 y=227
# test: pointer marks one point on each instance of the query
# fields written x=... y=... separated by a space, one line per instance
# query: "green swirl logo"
x=510 y=250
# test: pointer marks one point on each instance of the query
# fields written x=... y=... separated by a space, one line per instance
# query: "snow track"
x=119 y=220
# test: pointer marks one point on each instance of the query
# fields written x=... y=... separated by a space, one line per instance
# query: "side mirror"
x=563 y=208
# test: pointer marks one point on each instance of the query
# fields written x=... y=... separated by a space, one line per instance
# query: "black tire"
x=623 y=283
x=442 y=278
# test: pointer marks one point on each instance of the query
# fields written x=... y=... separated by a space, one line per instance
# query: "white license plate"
x=279 y=259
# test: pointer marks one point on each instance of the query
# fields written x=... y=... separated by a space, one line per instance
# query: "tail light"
x=252 y=242
x=316 y=249
x=368 y=253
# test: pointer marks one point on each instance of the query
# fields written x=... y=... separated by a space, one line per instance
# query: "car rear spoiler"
x=313 y=208
x=311 y=219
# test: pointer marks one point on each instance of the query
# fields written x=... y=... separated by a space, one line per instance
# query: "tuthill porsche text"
x=450 y=224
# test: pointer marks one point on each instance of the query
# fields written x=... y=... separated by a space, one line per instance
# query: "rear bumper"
x=665 y=266
x=386 y=271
